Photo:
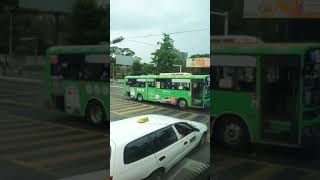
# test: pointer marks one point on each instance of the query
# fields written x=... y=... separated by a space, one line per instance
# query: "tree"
x=148 y=69
x=165 y=57
x=114 y=50
x=136 y=66
x=88 y=23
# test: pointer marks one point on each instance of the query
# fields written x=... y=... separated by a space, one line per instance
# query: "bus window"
x=165 y=83
x=234 y=78
x=68 y=66
x=180 y=86
x=151 y=84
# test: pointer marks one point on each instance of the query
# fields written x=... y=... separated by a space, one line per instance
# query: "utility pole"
x=180 y=67
x=10 y=33
x=226 y=20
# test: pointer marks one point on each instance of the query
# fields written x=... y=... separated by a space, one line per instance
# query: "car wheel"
x=182 y=103
x=140 y=97
x=157 y=175
x=95 y=113
x=233 y=133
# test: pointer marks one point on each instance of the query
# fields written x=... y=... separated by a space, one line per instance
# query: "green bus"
x=265 y=93
x=77 y=81
x=182 y=89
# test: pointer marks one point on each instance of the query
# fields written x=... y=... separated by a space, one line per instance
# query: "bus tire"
x=95 y=113
x=182 y=103
x=139 y=97
x=233 y=133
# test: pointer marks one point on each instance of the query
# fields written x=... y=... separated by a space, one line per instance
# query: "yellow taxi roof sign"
x=143 y=120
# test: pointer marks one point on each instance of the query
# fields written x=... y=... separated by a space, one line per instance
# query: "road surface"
x=36 y=143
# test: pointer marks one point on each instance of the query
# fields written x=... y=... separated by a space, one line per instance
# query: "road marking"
x=17 y=79
x=193 y=115
x=44 y=141
x=58 y=148
x=27 y=136
x=126 y=112
x=6 y=101
x=178 y=113
x=120 y=110
x=69 y=157
x=118 y=114
x=53 y=124
x=121 y=106
x=40 y=169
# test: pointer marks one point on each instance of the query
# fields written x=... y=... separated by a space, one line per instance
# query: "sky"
x=130 y=18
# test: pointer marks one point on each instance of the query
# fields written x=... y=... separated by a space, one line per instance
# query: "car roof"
x=127 y=130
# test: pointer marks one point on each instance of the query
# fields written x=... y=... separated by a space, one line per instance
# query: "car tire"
x=233 y=133
x=95 y=113
x=182 y=103
x=157 y=175
x=139 y=97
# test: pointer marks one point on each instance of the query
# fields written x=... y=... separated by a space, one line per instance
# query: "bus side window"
x=150 y=84
x=234 y=78
x=186 y=86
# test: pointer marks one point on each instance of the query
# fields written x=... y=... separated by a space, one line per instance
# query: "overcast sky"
x=144 y=17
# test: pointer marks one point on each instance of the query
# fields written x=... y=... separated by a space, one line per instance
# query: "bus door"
x=279 y=98
x=197 y=92
x=151 y=90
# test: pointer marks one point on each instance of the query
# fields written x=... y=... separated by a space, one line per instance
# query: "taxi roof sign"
x=143 y=120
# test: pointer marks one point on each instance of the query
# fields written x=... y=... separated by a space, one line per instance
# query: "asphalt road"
x=36 y=143
x=191 y=166
x=266 y=162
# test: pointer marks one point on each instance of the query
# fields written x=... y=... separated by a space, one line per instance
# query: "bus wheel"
x=233 y=133
x=182 y=103
x=95 y=113
x=140 y=97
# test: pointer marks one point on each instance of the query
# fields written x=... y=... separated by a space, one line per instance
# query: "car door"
x=168 y=147
x=188 y=137
x=138 y=159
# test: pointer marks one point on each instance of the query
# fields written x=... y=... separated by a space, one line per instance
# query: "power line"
x=144 y=43
x=178 y=32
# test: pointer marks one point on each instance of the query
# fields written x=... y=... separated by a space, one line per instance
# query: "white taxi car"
x=146 y=147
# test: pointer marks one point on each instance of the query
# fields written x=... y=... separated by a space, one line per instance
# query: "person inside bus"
x=104 y=75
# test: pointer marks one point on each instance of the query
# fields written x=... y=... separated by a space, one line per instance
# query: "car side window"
x=165 y=137
x=139 y=149
x=183 y=129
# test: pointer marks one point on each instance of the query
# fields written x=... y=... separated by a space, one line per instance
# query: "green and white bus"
x=182 y=89
x=265 y=93
x=77 y=81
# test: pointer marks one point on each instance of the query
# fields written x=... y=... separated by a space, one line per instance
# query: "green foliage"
x=136 y=67
x=165 y=57
x=200 y=55
x=148 y=69
x=88 y=23
x=114 y=50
